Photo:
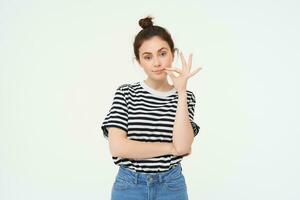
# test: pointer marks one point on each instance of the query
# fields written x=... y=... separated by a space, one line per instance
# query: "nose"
x=156 y=62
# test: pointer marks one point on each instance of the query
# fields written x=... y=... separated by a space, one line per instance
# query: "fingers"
x=171 y=75
x=190 y=62
x=186 y=66
x=194 y=72
x=183 y=62
x=174 y=69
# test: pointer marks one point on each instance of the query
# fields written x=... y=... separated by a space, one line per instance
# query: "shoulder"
x=191 y=98
x=190 y=94
x=127 y=86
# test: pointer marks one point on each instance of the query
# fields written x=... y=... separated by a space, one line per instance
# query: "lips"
x=159 y=70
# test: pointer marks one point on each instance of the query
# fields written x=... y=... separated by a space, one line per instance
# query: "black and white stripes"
x=146 y=115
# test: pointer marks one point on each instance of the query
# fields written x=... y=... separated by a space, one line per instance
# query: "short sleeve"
x=118 y=113
x=191 y=110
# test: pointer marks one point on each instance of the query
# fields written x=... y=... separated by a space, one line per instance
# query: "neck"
x=162 y=85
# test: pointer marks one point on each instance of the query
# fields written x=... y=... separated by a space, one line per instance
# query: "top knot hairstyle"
x=149 y=30
x=146 y=22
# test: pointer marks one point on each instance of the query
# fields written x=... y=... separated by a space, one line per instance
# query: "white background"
x=61 y=61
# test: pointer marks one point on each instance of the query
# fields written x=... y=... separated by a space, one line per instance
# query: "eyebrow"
x=158 y=50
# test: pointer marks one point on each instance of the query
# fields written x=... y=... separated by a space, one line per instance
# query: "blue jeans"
x=130 y=185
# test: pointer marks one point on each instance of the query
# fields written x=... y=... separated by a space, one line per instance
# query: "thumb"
x=171 y=75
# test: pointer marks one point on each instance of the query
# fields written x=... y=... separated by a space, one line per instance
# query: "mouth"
x=159 y=72
x=156 y=71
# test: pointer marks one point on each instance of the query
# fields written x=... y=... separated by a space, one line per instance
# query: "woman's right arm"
x=120 y=146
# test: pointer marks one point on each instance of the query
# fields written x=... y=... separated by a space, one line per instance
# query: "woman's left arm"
x=183 y=133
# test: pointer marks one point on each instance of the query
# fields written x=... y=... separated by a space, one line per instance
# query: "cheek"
x=146 y=66
x=168 y=60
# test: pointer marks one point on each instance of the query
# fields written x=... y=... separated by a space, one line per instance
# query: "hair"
x=149 y=30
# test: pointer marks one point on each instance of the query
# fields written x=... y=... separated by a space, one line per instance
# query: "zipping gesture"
x=180 y=82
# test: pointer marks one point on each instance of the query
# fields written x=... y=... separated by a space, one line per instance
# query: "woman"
x=150 y=125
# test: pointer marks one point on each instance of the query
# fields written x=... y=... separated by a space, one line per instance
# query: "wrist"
x=181 y=92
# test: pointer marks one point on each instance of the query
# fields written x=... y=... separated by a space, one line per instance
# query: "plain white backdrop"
x=61 y=61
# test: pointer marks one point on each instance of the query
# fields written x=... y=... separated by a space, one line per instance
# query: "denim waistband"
x=141 y=177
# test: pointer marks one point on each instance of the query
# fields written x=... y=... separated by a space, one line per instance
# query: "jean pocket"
x=176 y=184
x=120 y=184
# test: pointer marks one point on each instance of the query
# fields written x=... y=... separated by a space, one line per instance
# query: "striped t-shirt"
x=147 y=115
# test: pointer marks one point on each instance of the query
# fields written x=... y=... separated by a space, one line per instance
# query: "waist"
x=141 y=177
x=151 y=165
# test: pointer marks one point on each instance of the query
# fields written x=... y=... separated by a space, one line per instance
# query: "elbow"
x=116 y=147
x=183 y=147
x=117 y=141
x=114 y=152
x=182 y=150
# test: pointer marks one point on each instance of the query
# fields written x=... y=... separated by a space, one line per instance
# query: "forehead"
x=153 y=45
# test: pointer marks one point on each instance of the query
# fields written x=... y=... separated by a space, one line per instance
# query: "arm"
x=183 y=134
x=120 y=146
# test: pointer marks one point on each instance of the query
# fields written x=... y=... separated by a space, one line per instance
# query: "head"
x=153 y=49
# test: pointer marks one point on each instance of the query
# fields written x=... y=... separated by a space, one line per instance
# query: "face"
x=155 y=54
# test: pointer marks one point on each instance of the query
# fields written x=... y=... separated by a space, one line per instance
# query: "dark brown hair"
x=149 y=31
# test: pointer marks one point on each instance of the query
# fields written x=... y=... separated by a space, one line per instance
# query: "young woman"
x=150 y=126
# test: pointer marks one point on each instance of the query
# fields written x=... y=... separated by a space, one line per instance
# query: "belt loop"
x=160 y=178
x=136 y=178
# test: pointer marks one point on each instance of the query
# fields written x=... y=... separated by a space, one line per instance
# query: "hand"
x=180 y=81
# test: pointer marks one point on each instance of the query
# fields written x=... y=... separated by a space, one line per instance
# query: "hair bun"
x=146 y=22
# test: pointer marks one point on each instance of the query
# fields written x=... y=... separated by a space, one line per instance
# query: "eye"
x=147 y=57
x=164 y=53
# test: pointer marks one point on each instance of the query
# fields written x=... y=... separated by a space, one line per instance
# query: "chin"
x=159 y=77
